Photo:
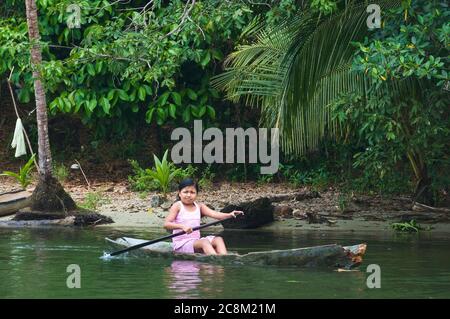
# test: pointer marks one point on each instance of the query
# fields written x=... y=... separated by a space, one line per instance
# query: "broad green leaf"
x=172 y=110
x=91 y=105
x=91 y=69
x=104 y=102
x=123 y=95
x=141 y=93
x=111 y=94
x=162 y=100
x=192 y=95
x=176 y=98
x=149 y=115
x=186 y=115
x=201 y=111
x=148 y=89
x=211 y=112
x=206 y=59
x=24 y=95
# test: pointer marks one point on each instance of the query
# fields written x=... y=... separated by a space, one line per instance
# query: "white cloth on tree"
x=19 y=139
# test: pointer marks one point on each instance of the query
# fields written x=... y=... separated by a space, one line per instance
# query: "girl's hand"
x=234 y=213
x=187 y=229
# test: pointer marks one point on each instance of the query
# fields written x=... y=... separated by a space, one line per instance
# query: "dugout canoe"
x=11 y=202
x=334 y=255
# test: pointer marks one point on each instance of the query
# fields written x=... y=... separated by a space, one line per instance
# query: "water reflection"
x=192 y=279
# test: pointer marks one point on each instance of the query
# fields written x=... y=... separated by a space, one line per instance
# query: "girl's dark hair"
x=185 y=183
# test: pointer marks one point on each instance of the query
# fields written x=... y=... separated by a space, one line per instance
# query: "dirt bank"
x=325 y=210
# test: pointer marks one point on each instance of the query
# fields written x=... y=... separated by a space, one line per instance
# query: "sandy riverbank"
x=134 y=210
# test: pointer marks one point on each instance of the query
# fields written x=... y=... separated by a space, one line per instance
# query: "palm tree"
x=48 y=195
x=295 y=70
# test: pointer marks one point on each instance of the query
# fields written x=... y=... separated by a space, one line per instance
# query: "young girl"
x=185 y=214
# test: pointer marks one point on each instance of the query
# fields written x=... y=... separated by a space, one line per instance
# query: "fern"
x=23 y=177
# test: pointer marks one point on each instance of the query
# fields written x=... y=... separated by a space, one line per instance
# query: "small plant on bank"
x=93 y=200
x=410 y=226
x=23 y=177
x=141 y=181
x=207 y=178
x=265 y=178
x=188 y=171
x=144 y=180
x=343 y=202
x=163 y=173
x=143 y=195
x=61 y=172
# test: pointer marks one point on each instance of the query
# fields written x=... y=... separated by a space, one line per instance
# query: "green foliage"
x=324 y=6
x=93 y=200
x=237 y=173
x=186 y=104
x=141 y=181
x=143 y=195
x=343 y=200
x=294 y=69
x=60 y=171
x=282 y=10
x=163 y=173
x=265 y=178
x=121 y=64
x=188 y=172
x=410 y=226
x=317 y=177
x=24 y=175
x=402 y=114
x=206 y=178
x=413 y=45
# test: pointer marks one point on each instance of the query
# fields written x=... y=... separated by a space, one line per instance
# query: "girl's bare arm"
x=206 y=211
x=170 y=225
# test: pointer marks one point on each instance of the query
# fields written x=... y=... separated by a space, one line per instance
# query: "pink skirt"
x=188 y=246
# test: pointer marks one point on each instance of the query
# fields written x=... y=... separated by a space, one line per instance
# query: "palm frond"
x=296 y=70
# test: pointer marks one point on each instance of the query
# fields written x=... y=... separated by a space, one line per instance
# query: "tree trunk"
x=422 y=192
x=45 y=158
x=49 y=194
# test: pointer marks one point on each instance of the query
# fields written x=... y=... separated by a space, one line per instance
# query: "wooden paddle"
x=164 y=238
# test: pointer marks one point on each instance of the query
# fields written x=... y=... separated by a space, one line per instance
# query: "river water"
x=34 y=264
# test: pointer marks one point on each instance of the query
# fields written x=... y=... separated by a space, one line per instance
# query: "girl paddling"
x=185 y=214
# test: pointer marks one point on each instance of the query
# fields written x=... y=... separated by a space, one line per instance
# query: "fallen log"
x=28 y=218
x=68 y=221
x=421 y=207
x=256 y=213
x=298 y=196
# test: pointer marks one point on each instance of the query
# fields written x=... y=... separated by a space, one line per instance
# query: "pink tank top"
x=191 y=219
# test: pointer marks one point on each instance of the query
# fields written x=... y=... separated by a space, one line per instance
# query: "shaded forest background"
x=374 y=119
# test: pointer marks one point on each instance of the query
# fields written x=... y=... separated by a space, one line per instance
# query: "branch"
x=259 y=3
x=204 y=37
x=422 y=207
x=111 y=4
x=183 y=18
x=145 y=7
x=102 y=55
x=85 y=178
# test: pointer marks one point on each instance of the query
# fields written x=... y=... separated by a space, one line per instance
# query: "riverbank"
x=294 y=207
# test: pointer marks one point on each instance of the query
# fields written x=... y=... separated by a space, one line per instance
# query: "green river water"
x=33 y=264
